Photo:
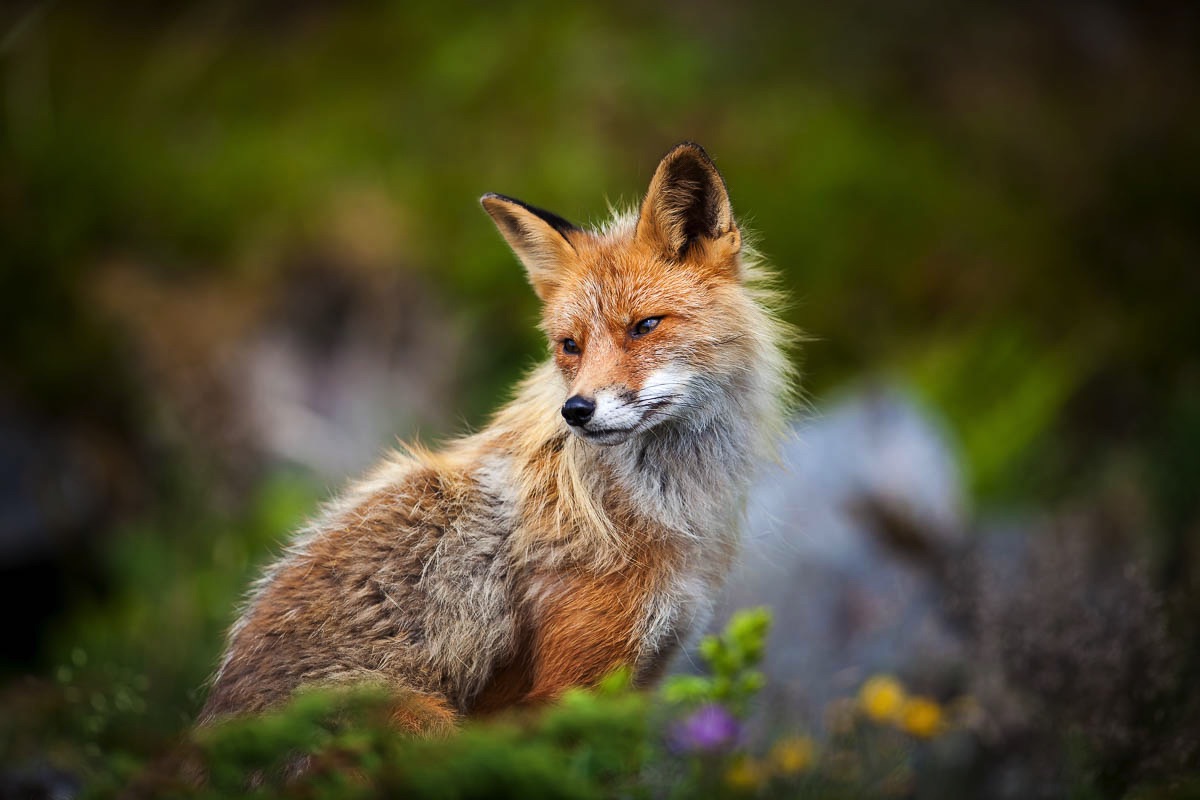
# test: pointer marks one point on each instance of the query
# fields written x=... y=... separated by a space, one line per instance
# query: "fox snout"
x=578 y=410
x=604 y=415
x=614 y=412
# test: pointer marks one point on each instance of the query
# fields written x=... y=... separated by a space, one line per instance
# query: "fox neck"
x=689 y=476
x=683 y=480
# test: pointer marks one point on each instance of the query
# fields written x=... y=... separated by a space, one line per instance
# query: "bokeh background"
x=241 y=252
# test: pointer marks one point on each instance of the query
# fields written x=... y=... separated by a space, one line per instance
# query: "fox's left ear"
x=538 y=237
x=687 y=204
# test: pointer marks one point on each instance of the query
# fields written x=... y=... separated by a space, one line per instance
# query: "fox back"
x=590 y=525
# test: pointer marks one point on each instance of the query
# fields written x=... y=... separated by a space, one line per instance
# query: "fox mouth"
x=649 y=413
x=606 y=435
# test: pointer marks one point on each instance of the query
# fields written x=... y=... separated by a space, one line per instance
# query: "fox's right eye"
x=570 y=346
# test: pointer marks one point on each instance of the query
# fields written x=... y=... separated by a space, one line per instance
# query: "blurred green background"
x=993 y=204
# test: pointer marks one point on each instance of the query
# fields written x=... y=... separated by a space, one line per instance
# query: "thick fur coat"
x=561 y=541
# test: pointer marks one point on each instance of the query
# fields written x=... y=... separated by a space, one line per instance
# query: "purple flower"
x=709 y=729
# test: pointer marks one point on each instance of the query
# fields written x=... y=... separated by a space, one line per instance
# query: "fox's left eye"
x=646 y=325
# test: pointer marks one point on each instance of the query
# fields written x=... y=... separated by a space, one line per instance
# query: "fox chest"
x=579 y=628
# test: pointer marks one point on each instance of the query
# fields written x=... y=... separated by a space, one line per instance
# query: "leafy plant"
x=733 y=658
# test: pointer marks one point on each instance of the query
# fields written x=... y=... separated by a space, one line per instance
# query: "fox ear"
x=686 y=203
x=538 y=237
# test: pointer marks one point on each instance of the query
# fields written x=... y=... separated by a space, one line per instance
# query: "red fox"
x=590 y=525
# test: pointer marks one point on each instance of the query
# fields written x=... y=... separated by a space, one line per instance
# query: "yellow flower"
x=792 y=755
x=922 y=717
x=745 y=774
x=882 y=698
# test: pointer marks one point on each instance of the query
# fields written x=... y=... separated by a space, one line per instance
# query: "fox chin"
x=589 y=525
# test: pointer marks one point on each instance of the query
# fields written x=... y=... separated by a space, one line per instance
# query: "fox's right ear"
x=538 y=237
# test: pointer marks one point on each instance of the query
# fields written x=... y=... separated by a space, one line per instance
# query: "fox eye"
x=645 y=326
x=570 y=346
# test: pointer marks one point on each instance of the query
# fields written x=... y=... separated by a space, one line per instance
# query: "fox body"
x=589 y=525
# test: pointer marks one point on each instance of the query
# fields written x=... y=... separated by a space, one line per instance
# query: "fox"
x=589 y=525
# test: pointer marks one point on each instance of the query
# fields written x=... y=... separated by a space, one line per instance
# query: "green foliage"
x=340 y=744
x=732 y=658
x=611 y=741
x=196 y=144
x=129 y=670
x=590 y=744
x=1001 y=393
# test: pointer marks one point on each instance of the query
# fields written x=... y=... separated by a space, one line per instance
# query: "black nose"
x=578 y=410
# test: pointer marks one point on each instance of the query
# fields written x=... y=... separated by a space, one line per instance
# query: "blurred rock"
x=1049 y=622
x=319 y=365
x=845 y=605
x=341 y=366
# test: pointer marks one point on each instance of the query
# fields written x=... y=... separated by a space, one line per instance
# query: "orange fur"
x=422 y=714
x=535 y=555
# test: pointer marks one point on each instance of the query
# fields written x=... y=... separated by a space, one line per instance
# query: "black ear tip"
x=504 y=208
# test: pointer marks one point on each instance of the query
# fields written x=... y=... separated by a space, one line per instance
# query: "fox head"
x=648 y=318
